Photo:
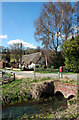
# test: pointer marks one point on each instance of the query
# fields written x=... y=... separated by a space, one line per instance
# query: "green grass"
x=18 y=91
x=6 y=75
x=10 y=69
x=55 y=72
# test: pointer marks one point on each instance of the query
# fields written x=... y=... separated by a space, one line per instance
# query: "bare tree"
x=48 y=26
x=54 y=22
x=69 y=18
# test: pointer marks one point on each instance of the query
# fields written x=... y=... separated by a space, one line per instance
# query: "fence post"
x=13 y=76
x=34 y=77
x=58 y=74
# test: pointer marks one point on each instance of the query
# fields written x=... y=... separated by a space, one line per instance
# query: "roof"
x=31 y=58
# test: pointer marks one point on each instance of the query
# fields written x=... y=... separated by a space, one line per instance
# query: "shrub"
x=43 y=66
x=52 y=67
x=36 y=66
x=70 y=49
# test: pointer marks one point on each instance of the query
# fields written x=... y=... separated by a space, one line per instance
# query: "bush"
x=36 y=66
x=52 y=67
x=46 y=69
x=39 y=69
x=49 y=69
x=43 y=66
x=70 y=49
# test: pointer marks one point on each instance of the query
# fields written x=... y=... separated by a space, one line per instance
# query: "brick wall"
x=65 y=88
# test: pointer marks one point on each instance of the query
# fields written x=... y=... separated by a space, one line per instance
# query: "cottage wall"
x=31 y=66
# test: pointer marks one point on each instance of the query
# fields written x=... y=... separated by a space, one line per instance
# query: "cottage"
x=30 y=60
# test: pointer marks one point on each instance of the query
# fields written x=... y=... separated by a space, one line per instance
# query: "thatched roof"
x=31 y=58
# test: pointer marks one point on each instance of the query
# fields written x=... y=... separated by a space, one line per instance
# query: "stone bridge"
x=66 y=89
x=48 y=88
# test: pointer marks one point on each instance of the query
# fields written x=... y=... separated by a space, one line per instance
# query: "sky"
x=18 y=22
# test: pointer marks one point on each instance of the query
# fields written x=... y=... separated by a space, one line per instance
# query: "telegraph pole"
x=20 y=56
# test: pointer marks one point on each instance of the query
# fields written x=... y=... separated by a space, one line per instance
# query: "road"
x=26 y=74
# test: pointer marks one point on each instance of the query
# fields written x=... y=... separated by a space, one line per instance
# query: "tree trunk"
x=46 y=61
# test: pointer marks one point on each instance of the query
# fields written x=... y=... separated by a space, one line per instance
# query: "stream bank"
x=44 y=105
x=32 y=108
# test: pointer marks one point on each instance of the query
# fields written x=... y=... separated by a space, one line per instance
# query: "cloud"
x=3 y=36
x=14 y=41
x=25 y=44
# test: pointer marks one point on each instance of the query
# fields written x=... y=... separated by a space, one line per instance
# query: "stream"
x=13 y=112
x=17 y=111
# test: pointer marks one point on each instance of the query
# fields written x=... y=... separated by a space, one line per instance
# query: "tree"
x=32 y=50
x=69 y=19
x=16 y=52
x=57 y=60
x=54 y=22
x=8 y=55
x=70 y=49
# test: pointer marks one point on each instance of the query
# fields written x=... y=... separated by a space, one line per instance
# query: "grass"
x=55 y=72
x=18 y=90
x=5 y=75
x=10 y=69
x=54 y=109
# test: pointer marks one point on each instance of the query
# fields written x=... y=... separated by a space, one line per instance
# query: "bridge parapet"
x=65 y=88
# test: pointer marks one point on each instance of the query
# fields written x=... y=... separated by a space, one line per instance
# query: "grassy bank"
x=55 y=109
x=18 y=91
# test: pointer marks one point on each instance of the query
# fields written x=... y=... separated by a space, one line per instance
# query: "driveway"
x=26 y=74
